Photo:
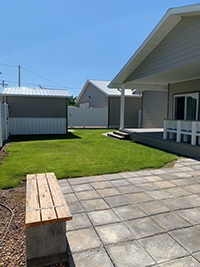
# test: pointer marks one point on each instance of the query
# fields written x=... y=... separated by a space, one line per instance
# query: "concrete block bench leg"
x=46 y=243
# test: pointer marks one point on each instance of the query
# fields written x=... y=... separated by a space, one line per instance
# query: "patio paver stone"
x=159 y=194
x=139 y=197
x=83 y=239
x=178 y=192
x=85 y=195
x=162 y=248
x=184 y=262
x=80 y=221
x=114 y=233
x=152 y=178
x=94 y=204
x=129 y=212
x=101 y=185
x=120 y=182
x=81 y=187
x=143 y=227
x=70 y=198
x=75 y=207
x=129 y=254
x=153 y=207
x=188 y=238
x=77 y=181
x=107 y=192
x=190 y=215
x=169 y=221
x=128 y=189
x=118 y=201
x=92 y=258
x=103 y=217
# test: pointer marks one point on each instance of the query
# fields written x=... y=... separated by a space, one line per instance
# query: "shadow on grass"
x=23 y=138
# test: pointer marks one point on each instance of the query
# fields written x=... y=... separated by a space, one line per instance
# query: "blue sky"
x=69 y=41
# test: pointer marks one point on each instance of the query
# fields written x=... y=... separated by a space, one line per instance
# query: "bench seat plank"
x=56 y=192
x=32 y=202
x=46 y=204
x=61 y=208
x=63 y=213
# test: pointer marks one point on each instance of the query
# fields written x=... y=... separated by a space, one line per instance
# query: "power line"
x=42 y=77
x=8 y=65
x=58 y=84
x=46 y=85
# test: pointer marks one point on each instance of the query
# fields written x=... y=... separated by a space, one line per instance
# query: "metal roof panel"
x=39 y=92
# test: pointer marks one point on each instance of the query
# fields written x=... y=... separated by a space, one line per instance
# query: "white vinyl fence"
x=87 y=117
x=4 y=133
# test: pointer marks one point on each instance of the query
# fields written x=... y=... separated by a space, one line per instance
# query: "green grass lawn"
x=81 y=153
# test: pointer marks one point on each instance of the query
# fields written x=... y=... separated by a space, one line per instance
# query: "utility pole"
x=19 y=76
x=3 y=84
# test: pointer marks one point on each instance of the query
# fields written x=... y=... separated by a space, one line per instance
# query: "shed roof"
x=172 y=17
x=34 y=92
x=103 y=87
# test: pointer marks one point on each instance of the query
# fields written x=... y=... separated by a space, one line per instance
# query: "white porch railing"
x=181 y=130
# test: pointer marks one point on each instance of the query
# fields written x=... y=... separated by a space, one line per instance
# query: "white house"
x=169 y=60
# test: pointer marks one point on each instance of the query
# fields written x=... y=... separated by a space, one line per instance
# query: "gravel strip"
x=13 y=248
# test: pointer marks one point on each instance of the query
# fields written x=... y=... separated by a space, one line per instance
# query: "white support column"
x=194 y=130
x=122 y=104
x=139 y=118
x=165 y=130
x=178 y=132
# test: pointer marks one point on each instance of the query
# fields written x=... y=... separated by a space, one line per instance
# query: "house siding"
x=180 y=47
x=37 y=107
x=132 y=106
x=154 y=109
x=192 y=86
x=95 y=97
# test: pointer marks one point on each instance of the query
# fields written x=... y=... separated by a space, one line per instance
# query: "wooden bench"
x=46 y=216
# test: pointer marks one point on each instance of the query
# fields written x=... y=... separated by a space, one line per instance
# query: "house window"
x=186 y=107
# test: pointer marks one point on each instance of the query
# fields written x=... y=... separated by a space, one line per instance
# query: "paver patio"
x=145 y=218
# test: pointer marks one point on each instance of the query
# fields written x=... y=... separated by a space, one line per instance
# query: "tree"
x=72 y=101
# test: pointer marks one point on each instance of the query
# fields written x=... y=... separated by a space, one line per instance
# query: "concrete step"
x=119 y=135
x=116 y=136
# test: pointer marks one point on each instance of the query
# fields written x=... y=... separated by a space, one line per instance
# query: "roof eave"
x=165 y=25
x=83 y=90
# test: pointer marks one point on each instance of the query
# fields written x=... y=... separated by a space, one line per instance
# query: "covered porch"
x=154 y=138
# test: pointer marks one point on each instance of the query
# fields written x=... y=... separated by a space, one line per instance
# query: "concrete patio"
x=144 y=218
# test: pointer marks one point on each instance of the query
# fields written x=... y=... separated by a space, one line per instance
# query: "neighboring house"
x=96 y=94
x=169 y=60
x=36 y=111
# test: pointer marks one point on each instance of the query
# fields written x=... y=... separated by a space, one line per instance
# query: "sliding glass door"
x=186 y=107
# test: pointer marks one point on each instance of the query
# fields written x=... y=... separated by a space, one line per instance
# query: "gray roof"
x=166 y=24
x=103 y=87
x=33 y=92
